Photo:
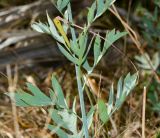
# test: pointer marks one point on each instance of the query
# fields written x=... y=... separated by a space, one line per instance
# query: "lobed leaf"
x=59 y=93
x=124 y=87
x=53 y=31
x=91 y=13
x=83 y=43
x=111 y=37
x=97 y=9
x=61 y=4
x=40 y=27
x=102 y=110
x=68 y=55
x=111 y=100
x=75 y=48
x=37 y=98
x=67 y=119
x=144 y=64
x=97 y=50
x=87 y=67
x=58 y=131
x=100 y=7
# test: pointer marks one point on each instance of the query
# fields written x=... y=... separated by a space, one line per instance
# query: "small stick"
x=12 y=82
x=143 y=112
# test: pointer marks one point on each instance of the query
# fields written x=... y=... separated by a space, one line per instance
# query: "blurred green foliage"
x=150 y=29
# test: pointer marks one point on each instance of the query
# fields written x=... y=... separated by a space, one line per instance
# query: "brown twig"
x=143 y=112
x=134 y=38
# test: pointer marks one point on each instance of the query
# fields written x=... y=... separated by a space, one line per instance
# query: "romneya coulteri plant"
x=76 y=50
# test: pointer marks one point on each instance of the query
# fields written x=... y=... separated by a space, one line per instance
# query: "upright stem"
x=79 y=81
x=81 y=96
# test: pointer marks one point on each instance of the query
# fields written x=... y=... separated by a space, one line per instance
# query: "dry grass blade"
x=12 y=82
x=134 y=38
x=143 y=112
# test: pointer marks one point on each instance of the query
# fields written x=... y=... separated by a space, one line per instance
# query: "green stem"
x=79 y=81
x=71 y=20
x=81 y=96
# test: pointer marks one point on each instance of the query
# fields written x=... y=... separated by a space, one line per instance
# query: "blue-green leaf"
x=59 y=93
x=87 y=67
x=90 y=117
x=105 y=111
x=65 y=25
x=37 y=98
x=97 y=50
x=97 y=55
x=17 y=97
x=61 y=4
x=91 y=13
x=41 y=27
x=111 y=100
x=83 y=42
x=57 y=119
x=53 y=96
x=100 y=7
x=75 y=48
x=66 y=119
x=143 y=61
x=108 y=3
x=111 y=37
x=102 y=110
x=53 y=31
x=88 y=49
x=68 y=55
x=58 y=131
x=119 y=97
x=129 y=82
x=124 y=87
